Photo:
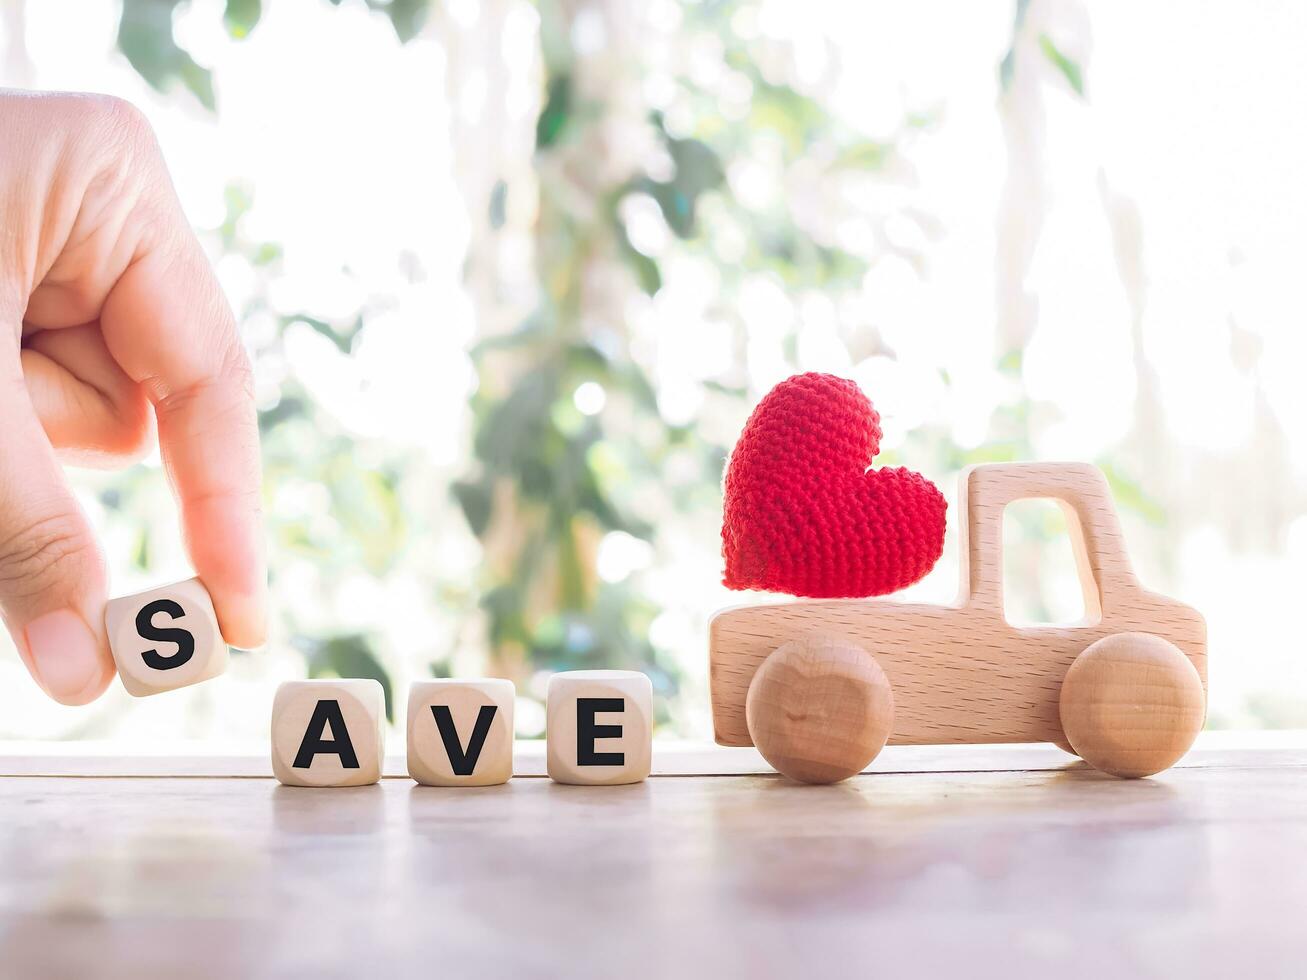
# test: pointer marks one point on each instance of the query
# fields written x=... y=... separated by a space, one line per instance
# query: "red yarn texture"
x=803 y=512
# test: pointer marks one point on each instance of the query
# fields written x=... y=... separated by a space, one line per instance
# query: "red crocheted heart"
x=804 y=514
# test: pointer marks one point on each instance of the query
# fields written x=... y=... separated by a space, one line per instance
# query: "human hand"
x=112 y=324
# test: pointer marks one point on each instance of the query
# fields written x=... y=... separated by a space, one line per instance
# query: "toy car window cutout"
x=1042 y=585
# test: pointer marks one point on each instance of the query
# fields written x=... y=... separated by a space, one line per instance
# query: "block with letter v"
x=460 y=732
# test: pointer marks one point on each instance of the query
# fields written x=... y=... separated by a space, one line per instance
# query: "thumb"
x=52 y=576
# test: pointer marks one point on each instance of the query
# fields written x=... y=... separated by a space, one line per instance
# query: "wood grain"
x=962 y=673
x=820 y=709
x=1132 y=704
x=985 y=873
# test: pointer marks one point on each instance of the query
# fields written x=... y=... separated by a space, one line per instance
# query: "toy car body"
x=962 y=673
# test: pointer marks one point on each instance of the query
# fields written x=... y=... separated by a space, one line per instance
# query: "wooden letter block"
x=165 y=638
x=328 y=732
x=599 y=727
x=460 y=733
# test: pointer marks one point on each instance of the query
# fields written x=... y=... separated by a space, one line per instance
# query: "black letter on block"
x=587 y=732
x=183 y=638
x=463 y=763
x=326 y=712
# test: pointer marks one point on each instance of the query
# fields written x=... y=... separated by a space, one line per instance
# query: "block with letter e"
x=599 y=727
x=165 y=638
x=328 y=732
x=460 y=732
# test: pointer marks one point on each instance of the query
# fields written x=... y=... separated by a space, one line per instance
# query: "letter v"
x=463 y=763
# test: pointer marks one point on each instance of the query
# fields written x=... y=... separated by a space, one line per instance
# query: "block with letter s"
x=165 y=638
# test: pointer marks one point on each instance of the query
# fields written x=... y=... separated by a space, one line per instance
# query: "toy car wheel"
x=1132 y=704
x=819 y=709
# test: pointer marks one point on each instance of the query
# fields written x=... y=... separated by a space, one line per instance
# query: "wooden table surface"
x=1004 y=861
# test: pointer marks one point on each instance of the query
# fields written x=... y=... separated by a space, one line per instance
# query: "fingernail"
x=64 y=652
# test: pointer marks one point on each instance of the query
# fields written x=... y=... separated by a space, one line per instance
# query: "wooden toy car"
x=819 y=686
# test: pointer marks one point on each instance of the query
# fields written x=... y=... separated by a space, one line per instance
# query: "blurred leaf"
x=1130 y=494
x=241 y=16
x=288 y=408
x=364 y=500
x=839 y=265
x=697 y=170
x=475 y=500
x=697 y=166
x=677 y=207
x=351 y=656
x=1069 y=69
x=924 y=119
x=406 y=16
x=554 y=116
x=503 y=605
x=266 y=253
x=993 y=451
x=867 y=155
x=796 y=118
x=145 y=37
x=515 y=429
x=573 y=593
x=1007 y=67
x=344 y=339
x=141 y=553
x=1011 y=363
x=237 y=199
x=498 y=200
x=646 y=269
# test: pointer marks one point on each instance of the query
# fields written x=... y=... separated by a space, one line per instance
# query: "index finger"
x=167 y=323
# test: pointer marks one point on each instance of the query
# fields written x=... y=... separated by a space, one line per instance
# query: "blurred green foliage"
x=1067 y=67
x=548 y=481
x=145 y=36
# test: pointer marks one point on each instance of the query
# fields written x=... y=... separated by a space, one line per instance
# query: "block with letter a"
x=328 y=732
